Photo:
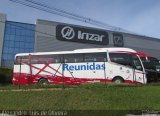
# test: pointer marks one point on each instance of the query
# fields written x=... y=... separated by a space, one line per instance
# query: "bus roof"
x=116 y=49
x=141 y=54
x=89 y=50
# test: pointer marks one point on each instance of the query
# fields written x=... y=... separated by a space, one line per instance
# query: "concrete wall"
x=46 y=40
x=2 y=29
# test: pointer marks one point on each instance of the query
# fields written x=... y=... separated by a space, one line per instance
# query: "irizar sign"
x=90 y=36
x=82 y=35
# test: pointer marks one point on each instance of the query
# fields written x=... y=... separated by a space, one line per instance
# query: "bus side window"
x=73 y=58
x=121 y=58
x=22 y=60
x=56 y=58
x=18 y=60
x=78 y=58
x=89 y=57
x=45 y=59
x=95 y=57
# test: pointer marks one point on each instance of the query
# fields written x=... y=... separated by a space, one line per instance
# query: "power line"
x=68 y=13
x=55 y=12
x=52 y=10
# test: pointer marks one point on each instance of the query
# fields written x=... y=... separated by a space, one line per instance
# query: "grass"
x=88 y=97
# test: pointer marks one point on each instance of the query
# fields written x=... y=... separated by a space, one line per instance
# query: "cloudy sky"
x=137 y=16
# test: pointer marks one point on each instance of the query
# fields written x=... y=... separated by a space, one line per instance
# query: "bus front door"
x=139 y=74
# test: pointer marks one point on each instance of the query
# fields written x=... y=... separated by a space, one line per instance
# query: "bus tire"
x=43 y=81
x=118 y=80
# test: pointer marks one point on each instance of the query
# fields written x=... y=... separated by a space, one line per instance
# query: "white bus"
x=119 y=65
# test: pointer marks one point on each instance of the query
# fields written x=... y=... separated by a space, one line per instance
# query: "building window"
x=18 y=38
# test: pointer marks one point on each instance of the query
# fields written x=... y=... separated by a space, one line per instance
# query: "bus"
x=152 y=67
x=119 y=65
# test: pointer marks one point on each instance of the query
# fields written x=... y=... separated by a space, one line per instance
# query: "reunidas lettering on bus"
x=87 y=66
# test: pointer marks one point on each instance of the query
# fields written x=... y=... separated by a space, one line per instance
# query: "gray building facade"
x=2 y=30
x=55 y=36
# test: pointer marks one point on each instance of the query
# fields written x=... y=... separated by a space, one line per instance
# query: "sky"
x=138 y=16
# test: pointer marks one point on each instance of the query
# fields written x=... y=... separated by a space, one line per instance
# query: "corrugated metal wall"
x=46 y=40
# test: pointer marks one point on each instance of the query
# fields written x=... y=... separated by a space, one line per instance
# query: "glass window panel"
x=5 y=50
x=10 y=50
x=22 y=50
x=8 y=44
x=17 y=44
x=11 y=43
x=16 y=50
x=30 y=33
x=22 y=45
x=18 y=31
x=4 y=56
x=28 y=39
x=23 y=32
x=33 y=33
x=32 y=47
x=28 y=27
x=5 y=44
x=8 y=30
x=10 y=56
x=7 y=37
x=17 y=38
x=12 y=37
x=32 y=39
x=27 y=45
x=13 y=31
x=26 y=50
x=27 y=32
x=7 y=25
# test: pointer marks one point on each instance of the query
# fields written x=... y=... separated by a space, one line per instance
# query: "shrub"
x=5 y=75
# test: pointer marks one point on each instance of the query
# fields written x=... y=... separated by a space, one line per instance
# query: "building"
x=45 y=36
x=55 y=36
x=15 y=37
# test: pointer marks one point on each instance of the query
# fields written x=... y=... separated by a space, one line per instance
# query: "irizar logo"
x=90 y=36
x=68 y=33
x=87 y=66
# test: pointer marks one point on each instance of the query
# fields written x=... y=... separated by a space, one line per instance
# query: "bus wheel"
x=118 y=80
x=43 y=81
